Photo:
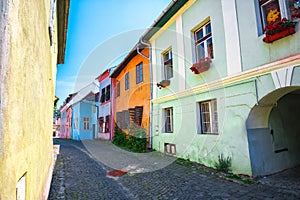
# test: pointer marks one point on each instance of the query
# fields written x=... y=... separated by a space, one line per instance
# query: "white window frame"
x=167 y=61
x=213 y=117
x=86 y=123
x=165 y=116
x=203 y=40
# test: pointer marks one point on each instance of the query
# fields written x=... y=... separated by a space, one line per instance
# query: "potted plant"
x=279 y=29
x=201 y=66
x=163 y=83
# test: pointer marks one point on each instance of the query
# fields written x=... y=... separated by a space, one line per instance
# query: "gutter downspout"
x=151 y=87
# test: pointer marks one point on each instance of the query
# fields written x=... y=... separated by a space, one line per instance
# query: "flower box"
x=163 y=83
x=279 y=35
x=277 y=30
x=201 y=66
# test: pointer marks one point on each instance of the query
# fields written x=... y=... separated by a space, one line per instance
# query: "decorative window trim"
x=167 y=62
x=168 y=120
x=205 y=40
x=211 y=115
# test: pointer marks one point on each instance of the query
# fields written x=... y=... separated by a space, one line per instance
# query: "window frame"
x=203 y=40
x=139 y=73
x=127 y=81
x=167 y=60
x=118 y=91
x=213 y=117
x=165 y=120
x=261 y=21
x=86 y=123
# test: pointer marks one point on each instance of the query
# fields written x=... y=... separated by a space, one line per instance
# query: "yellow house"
x=32 y=43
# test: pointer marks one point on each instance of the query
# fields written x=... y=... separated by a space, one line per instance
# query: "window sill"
x=207 y=133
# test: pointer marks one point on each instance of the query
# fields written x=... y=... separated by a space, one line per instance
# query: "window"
x=139 y=73
x=168 y=120
x=170 y=148
x=208 y=114
x=136 y=115
x=21 y=188
x=107 y=95
x=127 y=81
x=102 y=99
x=76 y=123
x=118 y=89
x=51 y=21
x=203 y=42
x=167 y=65
x=86 y=123
x=94 y=108
x=107 y=123
x=123 y=119
x=101 y=125
x=274 y=10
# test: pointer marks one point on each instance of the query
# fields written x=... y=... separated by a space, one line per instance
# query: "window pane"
x=293 y=8
x=208 y=29
x=270 y=11
x=199 y=34
x=200 y=51
x=168 y=65
x=210 y=51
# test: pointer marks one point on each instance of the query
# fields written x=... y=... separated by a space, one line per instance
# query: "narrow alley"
x=81 y=173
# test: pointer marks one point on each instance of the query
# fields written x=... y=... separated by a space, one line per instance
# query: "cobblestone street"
x=81 y=173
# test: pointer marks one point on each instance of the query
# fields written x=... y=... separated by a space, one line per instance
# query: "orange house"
x=131 y=90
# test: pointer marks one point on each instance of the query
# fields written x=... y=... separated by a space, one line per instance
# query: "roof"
x=63 y=7
x=92 y=88
x=166 y=15
x=127 y=59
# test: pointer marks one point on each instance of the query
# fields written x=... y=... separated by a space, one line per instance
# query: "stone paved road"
x=80 y=173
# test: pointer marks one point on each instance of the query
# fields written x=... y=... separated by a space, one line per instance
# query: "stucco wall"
x=27 y=93
x=137 y=94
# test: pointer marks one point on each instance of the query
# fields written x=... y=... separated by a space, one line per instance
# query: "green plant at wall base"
x=223 y=164
x=137 y=141
x=119 y=138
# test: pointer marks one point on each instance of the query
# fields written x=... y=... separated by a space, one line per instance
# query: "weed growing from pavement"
x=223 y=164
x=238 y=178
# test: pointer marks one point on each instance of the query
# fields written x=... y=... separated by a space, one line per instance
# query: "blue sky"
x=100 y=32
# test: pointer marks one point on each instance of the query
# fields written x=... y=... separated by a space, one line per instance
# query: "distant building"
x=84 y=113
x=105 y=124
x=32 y=43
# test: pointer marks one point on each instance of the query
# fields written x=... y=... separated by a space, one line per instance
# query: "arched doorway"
x=273 y=128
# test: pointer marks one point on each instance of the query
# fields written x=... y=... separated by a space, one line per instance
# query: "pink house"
x=66 y=119
x=105 y=130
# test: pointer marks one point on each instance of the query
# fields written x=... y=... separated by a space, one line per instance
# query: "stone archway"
x=273 y=129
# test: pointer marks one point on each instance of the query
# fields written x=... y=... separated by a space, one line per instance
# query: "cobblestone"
x=80 y=173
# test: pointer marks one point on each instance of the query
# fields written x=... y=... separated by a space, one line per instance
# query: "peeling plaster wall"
x=27 y=92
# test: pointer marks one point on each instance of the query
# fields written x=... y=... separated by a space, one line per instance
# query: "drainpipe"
x=151 y=87
x=138 y=49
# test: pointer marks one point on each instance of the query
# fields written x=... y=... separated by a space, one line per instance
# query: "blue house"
x=84 y=113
